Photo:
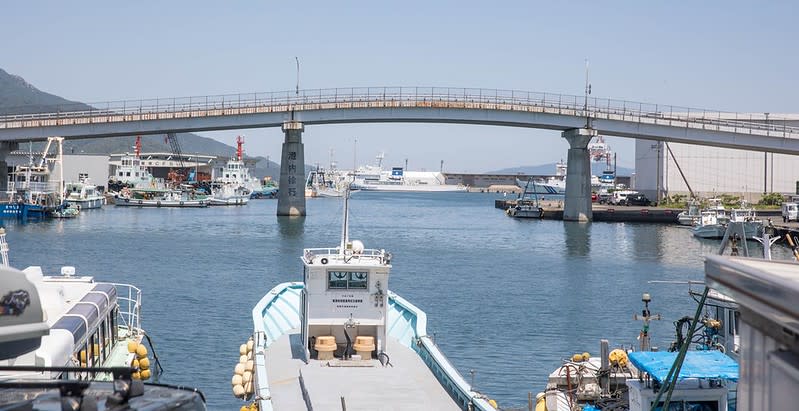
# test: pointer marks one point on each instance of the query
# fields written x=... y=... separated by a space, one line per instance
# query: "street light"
x=297 y=90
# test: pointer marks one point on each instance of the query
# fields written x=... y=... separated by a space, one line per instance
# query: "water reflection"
x=291 y=227
x=577 y=237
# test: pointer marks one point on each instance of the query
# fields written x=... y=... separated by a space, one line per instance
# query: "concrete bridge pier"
x=291 y=194
x=5 y=148
x=577 y=204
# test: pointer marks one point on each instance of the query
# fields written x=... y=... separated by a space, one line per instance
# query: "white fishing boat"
x=712 y=224
x=747 y=216
x=81 y=322
x=83 y=195
x=237 y=174
x=375 y=178
x=157 y=198
x=228 y=194
x=340 y=339
x=691 y=215
x=325 y=183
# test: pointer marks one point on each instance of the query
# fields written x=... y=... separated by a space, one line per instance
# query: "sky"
x=719 y=55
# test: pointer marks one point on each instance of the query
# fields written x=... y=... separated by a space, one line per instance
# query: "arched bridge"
x=407 y=104
x=578 y=117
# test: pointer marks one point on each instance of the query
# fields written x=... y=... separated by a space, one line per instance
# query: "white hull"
x=232 y=201
x=87 y=203
x=420 y=188
x=127 y=202
x=542 y=188
x=525 y=212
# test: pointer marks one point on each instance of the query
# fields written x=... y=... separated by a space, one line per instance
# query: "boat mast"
x=239 y=148
x=345 y=224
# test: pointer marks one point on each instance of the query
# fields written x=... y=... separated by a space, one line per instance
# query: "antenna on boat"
x=3 y=248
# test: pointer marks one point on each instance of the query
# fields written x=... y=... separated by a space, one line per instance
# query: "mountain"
x=549 y=169
x=17 y=96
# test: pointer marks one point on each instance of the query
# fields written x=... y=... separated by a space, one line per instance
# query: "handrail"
x=389 y=97
x=129 y=306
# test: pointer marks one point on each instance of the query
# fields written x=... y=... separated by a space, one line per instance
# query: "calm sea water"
x=506 y=298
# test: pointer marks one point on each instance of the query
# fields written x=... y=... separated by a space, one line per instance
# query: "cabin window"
x=347 y=280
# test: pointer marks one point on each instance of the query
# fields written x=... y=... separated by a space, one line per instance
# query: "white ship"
x=375 y=178
x=341 y=340
x=84 y=195
x=237 y=174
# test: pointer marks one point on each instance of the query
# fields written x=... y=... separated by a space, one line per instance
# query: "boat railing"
x=368 y=253
x=129 y=301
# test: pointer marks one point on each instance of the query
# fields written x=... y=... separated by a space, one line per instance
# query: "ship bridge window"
x=347 y=280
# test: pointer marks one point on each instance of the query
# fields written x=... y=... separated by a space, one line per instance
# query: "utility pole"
x=765 y=163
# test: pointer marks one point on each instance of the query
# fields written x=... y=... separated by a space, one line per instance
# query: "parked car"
x=620 y=197
x=790 y=211
x=594 y=197
x=637 y=200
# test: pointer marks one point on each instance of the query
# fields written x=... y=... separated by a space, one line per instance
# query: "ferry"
x=375 y=178
x=77 y=322
x=340 y=339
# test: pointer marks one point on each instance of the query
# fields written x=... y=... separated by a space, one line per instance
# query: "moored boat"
x=83 y=195
x=81 y=322
x=157 y=198
x=341 y=338
x=228 y=195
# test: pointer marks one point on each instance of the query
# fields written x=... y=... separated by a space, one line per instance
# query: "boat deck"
x=364 y=385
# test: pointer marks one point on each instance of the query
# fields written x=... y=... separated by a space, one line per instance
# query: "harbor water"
x=506 y=298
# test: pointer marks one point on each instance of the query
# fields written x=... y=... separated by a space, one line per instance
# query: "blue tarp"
x=697 y=364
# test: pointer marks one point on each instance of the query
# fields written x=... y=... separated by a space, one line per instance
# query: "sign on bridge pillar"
x=577 y=204
x=291 y=192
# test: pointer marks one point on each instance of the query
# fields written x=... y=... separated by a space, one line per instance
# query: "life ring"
x=181 y=203
x=139 y=202
x=323 y=260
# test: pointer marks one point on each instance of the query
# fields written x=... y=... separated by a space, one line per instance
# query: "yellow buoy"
x=136 y=375
x=586 y=356
x=618 y=357
x=135 y=363
x=141 y=351
x=238 y=390
x=493 y=404
x=577 y=357
x=540 y=402
x=243 y=349
x=236 y=380
x=244 y=408
x=132 y=345
x=243 y=359
x=144 y=363
x=239 y=369
x=145 y=374
x=250 y=345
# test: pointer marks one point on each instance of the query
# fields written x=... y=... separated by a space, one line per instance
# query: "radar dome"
x=357 y=247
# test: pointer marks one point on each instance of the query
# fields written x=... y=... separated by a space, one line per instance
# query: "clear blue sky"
x=732 y=56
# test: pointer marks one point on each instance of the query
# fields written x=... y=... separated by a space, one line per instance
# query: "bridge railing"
x=443 y=97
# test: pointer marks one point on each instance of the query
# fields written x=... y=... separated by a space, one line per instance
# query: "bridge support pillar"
x=577 y=204
x=5 y=148
x=291 y=194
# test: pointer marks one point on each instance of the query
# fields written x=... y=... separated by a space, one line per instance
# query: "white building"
x=712 y=171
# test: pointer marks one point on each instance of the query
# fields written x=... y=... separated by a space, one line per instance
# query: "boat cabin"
x=707 y=380
x=344 y=302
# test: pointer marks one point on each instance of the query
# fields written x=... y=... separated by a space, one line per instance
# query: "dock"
x=553 y=210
